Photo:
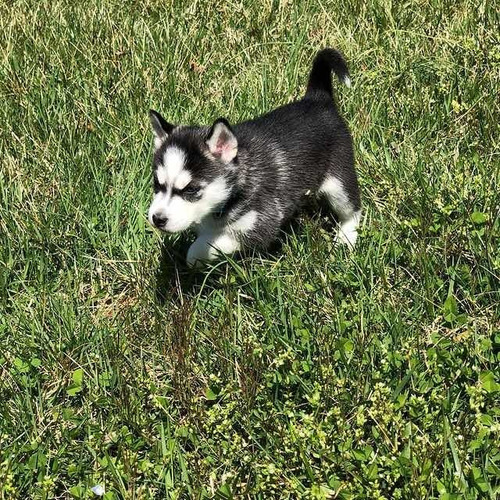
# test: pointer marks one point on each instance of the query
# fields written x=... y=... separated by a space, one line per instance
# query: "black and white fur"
x=238 y=184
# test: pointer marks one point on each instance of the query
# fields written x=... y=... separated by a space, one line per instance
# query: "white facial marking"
x=174 y=160
x=161 y=174
x=179 y=212
x=158 y=206
x=182 y=180
x=182 y=213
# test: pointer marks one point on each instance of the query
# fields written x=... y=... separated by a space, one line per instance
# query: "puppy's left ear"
x=161 y=128
x=222 y=142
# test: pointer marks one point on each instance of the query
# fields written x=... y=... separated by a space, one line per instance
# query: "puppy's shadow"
x=174 y=277
x=313 y=209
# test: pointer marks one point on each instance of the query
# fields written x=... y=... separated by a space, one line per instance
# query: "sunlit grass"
x=302 y=372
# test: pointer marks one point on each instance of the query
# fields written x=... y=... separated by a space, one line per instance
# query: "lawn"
x=302 y=372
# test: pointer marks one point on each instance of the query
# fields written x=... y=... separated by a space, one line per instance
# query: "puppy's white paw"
x=348 y=231
x=206 y=249
x=198 y=253
x=347 y=238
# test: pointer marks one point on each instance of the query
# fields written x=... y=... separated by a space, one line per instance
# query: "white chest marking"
x=245 y=223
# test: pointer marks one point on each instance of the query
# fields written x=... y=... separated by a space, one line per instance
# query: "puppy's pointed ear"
x=161 y=128
x=222 y=142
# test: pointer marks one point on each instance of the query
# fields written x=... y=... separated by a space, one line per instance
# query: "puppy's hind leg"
x=346 y=204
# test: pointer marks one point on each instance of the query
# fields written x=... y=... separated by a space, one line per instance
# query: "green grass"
x=304 y=372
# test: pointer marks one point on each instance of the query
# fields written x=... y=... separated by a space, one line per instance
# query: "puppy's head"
x=193 y=170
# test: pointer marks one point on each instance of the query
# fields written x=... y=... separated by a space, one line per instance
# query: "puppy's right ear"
x=222 y=142
x=161 y=128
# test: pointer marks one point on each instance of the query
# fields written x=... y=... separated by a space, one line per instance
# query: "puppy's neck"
x=225 y=208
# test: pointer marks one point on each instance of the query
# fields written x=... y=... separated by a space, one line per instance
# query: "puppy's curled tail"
x=320 y=80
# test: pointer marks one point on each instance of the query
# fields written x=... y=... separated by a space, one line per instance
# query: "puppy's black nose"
x=159 y=220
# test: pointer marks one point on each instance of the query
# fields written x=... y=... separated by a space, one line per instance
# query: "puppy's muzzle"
x=159 y=221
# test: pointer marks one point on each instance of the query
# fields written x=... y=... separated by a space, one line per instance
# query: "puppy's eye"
x=190 y=190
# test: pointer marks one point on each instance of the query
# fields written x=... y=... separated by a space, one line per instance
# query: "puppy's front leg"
x=207 y=247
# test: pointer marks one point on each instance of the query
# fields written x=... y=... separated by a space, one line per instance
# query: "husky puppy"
x=236 y=185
